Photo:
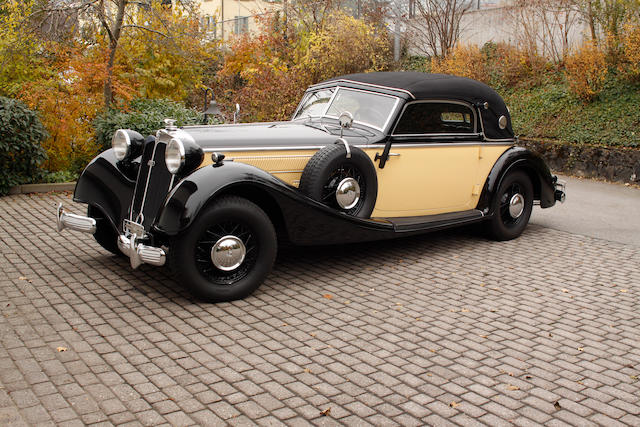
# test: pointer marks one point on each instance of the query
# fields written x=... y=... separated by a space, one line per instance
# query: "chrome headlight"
x=121 y=144
x=174 y=156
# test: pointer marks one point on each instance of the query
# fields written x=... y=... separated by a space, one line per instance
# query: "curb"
x=42 y=188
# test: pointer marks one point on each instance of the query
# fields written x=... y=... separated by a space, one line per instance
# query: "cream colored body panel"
x=286 y=165
x=421 y=180
x=433 y=179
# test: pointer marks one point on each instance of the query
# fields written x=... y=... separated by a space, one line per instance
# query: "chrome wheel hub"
x=228 y=253
x=348 y=193
x=516 y=206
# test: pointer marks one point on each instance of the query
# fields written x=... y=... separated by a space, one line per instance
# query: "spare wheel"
x=349 y=184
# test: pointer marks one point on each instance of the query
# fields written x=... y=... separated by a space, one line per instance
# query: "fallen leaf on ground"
x=307 y=370
x=465 y=310
x=580 y=348
x=326 y=412
x=565 y=290
x=327 y=296
x=623 y=290
x=513 y=387
x=483 y=336
x=454 y=404
x=22 y=278
x=557 y=405
x=528 y=377
x=61 y=349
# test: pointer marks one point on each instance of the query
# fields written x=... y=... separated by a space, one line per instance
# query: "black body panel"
x=104 y=186
x=300 y=133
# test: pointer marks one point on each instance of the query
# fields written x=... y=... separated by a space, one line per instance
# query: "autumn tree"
x=434 y=26
x=607 y=20
x=114 y=18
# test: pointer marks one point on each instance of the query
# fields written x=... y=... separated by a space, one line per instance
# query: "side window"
x=435 y=117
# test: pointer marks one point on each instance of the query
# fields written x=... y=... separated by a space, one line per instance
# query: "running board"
x=434 y=222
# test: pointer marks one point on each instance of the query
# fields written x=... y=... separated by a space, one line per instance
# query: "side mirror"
x=235 y=113
x=346 y=121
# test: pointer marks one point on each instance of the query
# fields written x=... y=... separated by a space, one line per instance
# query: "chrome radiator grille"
x=152 y=185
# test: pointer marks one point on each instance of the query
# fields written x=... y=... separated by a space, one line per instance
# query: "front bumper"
x=128 y=244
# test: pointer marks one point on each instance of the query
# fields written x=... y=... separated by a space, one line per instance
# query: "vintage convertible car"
x=365 y=157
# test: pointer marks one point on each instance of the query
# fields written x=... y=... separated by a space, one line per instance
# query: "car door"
x=432 y=166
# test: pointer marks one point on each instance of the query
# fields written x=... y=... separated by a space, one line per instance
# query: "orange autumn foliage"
x=68 y=100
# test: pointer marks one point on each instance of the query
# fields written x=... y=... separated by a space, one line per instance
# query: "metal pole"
x=396 y=35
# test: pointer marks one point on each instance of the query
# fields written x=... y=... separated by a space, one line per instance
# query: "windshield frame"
x=338 y=88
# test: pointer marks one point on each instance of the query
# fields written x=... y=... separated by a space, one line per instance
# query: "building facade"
x=222 y=18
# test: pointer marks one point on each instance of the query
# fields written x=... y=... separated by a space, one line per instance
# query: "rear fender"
x=518 y=158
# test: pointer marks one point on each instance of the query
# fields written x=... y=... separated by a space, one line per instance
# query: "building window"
x=241 y=24
x=209 y=25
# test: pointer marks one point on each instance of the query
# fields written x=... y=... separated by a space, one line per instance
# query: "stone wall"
x=613 y=164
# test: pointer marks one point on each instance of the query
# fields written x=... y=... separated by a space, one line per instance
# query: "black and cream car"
x=365 y=157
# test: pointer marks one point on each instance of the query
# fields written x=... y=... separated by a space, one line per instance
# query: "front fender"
x=104 y=185
x=519 y=158
x=191 y=194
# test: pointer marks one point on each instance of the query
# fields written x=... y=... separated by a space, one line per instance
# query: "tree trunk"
x=114 y=37
x=592 y=23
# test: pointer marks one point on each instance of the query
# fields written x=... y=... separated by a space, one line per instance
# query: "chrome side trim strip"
x=362 y=146
x=284 y=148
x=293 y=156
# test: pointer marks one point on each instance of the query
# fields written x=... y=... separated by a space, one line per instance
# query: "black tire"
x=190 y=254
x=105 y=235
x=329 y=166
x=503 y=225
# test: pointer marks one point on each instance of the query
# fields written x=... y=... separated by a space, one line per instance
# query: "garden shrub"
x=21 y=135
x=497 y=64
x=586 y=71
x=143 y=115
x=464 y=61
x=631 y=53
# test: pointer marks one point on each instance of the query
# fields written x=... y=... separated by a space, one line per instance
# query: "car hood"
x=275 y=134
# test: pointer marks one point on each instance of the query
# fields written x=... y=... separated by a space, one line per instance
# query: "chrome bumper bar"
x=138 y=253
x=75 y=222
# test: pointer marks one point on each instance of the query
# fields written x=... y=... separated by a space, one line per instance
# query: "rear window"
x=435 y=118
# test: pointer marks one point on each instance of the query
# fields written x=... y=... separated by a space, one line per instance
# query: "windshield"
x=372 y=109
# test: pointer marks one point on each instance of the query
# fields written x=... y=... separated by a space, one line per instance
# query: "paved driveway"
x=448 y=328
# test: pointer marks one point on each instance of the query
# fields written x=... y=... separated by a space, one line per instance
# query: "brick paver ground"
x=435 y=330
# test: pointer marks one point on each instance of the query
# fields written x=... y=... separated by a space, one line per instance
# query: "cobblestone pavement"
x=448 y=328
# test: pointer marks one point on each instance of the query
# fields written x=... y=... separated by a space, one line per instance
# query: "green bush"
x=551 y=112
x=145 y=116
x=21 y=135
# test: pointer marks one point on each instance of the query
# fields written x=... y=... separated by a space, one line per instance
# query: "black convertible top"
x=423 y=86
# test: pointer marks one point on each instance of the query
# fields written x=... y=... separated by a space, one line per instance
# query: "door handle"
x=394 y=154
